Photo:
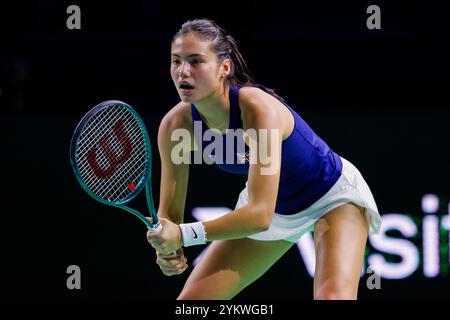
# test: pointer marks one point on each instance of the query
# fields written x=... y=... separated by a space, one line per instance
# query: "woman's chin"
x=187 y=99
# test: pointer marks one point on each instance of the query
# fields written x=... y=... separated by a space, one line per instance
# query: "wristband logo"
x=195 y=233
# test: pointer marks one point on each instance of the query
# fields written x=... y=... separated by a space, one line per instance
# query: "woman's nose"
x=184 y=70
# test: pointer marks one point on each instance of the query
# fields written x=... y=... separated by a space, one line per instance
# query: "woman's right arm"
x=174 y=177
x=173 y=185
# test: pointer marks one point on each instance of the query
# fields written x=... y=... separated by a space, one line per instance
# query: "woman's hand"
x=170 y=264
x=168 y=239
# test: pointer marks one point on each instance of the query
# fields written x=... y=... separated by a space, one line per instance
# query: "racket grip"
x=157 y=228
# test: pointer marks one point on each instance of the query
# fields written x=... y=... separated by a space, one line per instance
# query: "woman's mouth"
x=186 y=91
x=186 y=88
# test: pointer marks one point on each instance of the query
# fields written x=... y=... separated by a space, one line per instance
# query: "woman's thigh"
x=340 y=238
x=228 y=266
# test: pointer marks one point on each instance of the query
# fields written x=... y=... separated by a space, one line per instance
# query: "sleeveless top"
x=309 y=168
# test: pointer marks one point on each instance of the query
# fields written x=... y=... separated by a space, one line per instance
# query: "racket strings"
x=121 y=156
x=120 y=181
x=133 y=168
x=90 y=138
x=94 y=131
x=107 y=161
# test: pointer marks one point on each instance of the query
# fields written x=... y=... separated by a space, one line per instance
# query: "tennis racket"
x=111 y=157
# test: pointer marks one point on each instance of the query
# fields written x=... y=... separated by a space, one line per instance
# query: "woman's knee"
x=336 y=291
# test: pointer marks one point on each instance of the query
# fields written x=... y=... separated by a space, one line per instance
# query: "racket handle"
x=156 y=228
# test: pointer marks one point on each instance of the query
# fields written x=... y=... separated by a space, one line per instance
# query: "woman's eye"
x=176 y=62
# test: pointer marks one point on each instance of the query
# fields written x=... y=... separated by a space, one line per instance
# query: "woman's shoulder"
x=255 y=100
x=256 y=103
x=250 y=92
x=179 y=116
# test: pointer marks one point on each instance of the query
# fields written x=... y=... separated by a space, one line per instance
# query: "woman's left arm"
x=263 y=126
x=264 y=130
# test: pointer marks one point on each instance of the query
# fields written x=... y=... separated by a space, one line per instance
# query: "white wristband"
x=193 y=233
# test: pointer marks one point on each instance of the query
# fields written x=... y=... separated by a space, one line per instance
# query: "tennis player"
x=300 y=185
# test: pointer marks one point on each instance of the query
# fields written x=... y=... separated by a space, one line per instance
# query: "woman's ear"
x=226 y=68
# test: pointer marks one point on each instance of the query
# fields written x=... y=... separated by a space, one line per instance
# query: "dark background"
x=378 y=97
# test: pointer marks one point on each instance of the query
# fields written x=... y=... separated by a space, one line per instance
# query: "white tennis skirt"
x=349 y=188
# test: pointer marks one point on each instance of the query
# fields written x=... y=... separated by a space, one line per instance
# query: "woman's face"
x=195 y=70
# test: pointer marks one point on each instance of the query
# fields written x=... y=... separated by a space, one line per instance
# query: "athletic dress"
x=313 y=178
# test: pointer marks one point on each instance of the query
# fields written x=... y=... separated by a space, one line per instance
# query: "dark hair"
x=225 y=47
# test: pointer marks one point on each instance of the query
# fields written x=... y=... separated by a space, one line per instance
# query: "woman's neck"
x=215 y=109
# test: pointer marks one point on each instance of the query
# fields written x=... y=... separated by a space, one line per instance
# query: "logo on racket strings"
x=113 y=159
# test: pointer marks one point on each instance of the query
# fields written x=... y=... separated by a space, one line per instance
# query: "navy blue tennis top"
x=309 y=168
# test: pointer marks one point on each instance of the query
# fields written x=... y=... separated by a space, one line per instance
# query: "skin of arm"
x=258 y=112
x=174 y=177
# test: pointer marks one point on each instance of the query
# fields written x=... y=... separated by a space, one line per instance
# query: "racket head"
x=110 y=153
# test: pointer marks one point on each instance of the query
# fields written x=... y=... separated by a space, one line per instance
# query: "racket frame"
x=145 y=181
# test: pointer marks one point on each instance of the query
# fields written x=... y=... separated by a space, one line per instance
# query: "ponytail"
x=240 y=73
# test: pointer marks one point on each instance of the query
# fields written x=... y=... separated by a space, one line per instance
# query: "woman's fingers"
x=154 y=237
x=178 y=270
x=174 y=270
x=170 y=255
x=172 y=265
x=170 y=262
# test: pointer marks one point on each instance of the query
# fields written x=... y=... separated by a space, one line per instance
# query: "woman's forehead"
x=190 y=44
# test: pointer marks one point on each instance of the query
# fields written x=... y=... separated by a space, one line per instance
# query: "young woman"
x=300 y=185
